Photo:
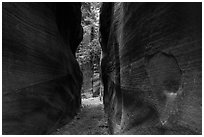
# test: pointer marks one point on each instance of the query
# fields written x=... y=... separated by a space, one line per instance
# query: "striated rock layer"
x=41 y=78
x=151 y=67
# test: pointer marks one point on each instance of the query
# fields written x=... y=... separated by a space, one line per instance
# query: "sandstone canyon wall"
x=152 y=67
x=41 y=78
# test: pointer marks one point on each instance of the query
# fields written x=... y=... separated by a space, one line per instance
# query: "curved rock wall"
x=151 y=67
x=41 y=78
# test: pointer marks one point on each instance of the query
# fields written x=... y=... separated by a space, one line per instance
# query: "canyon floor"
x=90 y=121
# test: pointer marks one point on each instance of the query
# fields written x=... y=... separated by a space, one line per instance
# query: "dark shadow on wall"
x=41 y=79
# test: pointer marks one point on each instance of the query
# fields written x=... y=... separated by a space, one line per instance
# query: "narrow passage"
x=91 y=120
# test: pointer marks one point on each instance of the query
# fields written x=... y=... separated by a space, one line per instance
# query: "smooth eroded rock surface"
x=41 y=78
x=151 y=67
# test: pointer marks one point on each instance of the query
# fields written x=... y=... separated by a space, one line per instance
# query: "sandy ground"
x=90 y=121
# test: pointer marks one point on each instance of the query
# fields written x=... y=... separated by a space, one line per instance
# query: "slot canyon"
x=150 y=68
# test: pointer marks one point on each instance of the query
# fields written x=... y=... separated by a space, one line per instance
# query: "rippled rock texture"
x=41 y=78
x=152 y=67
